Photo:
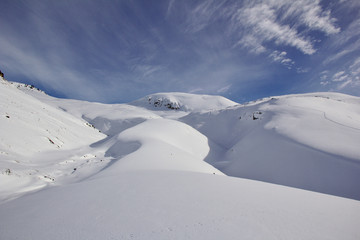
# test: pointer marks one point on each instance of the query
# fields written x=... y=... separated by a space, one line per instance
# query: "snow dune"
x=178 y=205
x=154 y=168
x=308 y=141
x=163 y=145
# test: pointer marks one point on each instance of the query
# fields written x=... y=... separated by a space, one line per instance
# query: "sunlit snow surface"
x=149 y=169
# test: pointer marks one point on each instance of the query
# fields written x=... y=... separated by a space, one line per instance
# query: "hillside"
x=183 y=102
x=156 y=168
x=308 y=141
x=41 y=144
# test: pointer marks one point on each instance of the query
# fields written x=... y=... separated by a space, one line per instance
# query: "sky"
x=116 y=51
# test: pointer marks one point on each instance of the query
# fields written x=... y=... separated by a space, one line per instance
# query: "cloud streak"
x=282 y=58
x=255 y=25
x=121 y=50
x=260 y=22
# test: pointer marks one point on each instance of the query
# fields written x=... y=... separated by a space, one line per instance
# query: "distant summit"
x=183 y=102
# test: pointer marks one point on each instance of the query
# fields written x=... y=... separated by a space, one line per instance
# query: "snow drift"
x=309 y=141
x=154 y=168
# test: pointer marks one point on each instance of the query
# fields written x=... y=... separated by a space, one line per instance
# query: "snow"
x=162 y=144
x=155 y=168
x=36 y=140
x=332 y=119
x=31 y=126
x=289 y=140
x=178 y=205
x=183 y=102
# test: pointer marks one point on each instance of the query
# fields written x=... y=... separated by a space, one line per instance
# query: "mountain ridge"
x=136 y=171
x=305 y=123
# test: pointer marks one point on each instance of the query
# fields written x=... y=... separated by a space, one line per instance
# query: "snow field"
x=35 y=138
x=178 y=205
x=147 y=173
x=287 y=140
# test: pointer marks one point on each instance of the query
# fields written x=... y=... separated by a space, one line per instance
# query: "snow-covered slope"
x=309 y=141
x=40 y=143
x=30 y=126
x=178 y=205
x=146 y=174
x=141 y=138
x=183 y=102
x=48 y=141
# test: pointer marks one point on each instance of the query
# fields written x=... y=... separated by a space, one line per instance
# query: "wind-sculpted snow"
x=141 y=170
x=29 y=125
x=163 y=145
x=41 y=145
x=183 y=102
x=152 y=205
x=45 y=141
x=289 y=140
x=330 y=124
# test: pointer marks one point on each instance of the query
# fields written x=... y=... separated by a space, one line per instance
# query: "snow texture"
x=157 y=168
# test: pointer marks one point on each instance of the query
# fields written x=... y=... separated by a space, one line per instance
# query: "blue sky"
x=118 y=51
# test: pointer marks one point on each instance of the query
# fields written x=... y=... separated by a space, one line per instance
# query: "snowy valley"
x=179 y=166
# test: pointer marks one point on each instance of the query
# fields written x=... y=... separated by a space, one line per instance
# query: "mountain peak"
x=186 y=102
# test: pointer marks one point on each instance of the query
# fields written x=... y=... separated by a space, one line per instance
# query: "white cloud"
x=260 y=21
x=202 y=15
x=324 y=83
x=308 y=13
x=344 y=45
x=302 y=70
x=340 y=76
x=54 y=74
x=196 y=90
x=266 y=21
x=348 y=77
x=254 y=23
x=324 y=78
x=355 y=67
x=224 y=89
x=282 y=58
x=344 y=84
x=324 y=75
x=170 y=7
x=251 y=43
x=145 y=71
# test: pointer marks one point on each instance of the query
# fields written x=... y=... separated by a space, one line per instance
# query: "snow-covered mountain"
x=308 y=141
x=156 y=168
x=39 y=143
x=183 y=102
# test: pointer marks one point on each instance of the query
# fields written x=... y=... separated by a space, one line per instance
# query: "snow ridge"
x=155 y=168
x=183 y=102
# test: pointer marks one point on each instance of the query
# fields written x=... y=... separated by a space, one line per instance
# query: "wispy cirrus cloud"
x=347 y=79
x=341 y=63
x=282 y=58
x=340 y=76
x=169 y=7
x=269 y=21
x=203 y=14
x=260 y=23
x=255 y=25
x=307 y=12
x=121 y=50
x=344 y=44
